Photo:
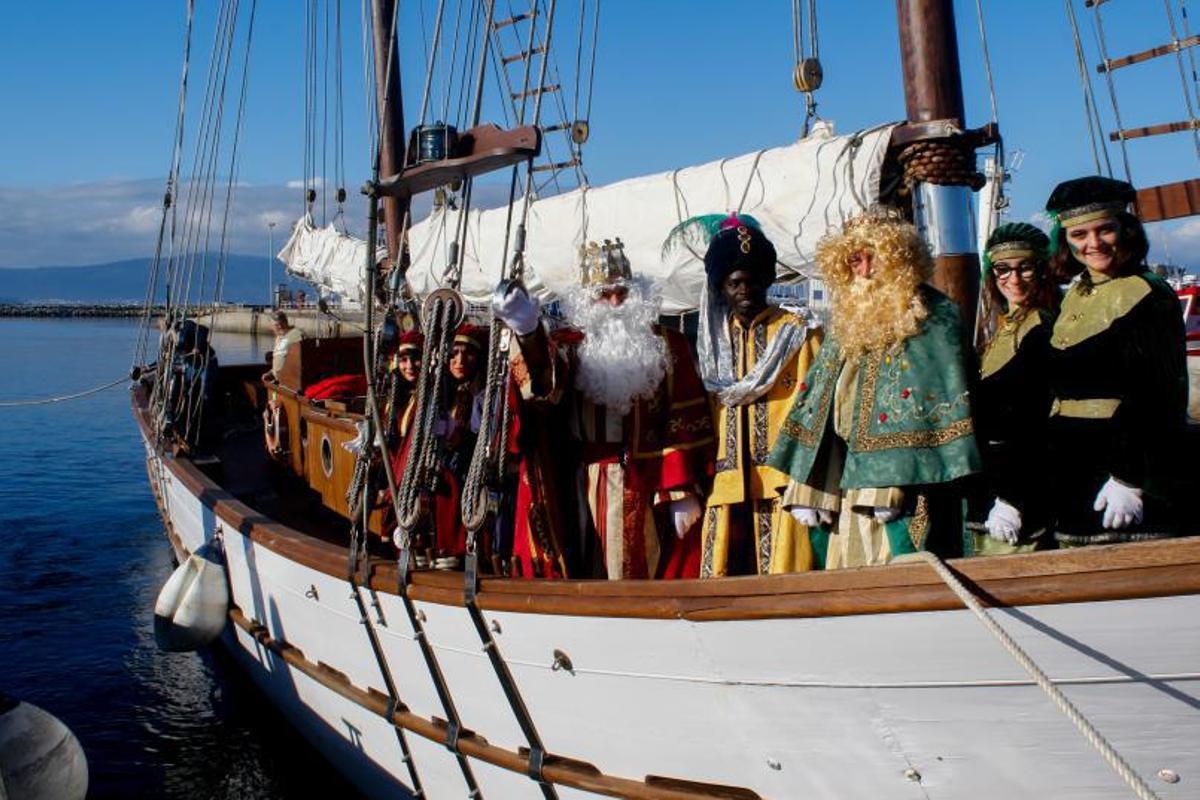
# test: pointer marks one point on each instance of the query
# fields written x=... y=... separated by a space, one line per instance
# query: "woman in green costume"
x=1118 y=373
x=1011 y=401
x=882 y=423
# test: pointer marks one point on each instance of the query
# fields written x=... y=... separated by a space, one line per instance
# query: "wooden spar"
x=391 y=117
x=933 y=91
x=929 y=59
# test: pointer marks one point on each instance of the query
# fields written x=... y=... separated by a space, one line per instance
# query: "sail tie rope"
x=1127 y=773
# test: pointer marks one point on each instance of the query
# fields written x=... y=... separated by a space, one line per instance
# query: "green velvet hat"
x=1015 y=238
x=1081 y=200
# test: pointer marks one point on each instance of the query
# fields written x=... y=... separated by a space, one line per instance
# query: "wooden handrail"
x=1107 y=572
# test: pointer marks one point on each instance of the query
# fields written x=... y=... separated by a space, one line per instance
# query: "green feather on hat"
x=696 y=232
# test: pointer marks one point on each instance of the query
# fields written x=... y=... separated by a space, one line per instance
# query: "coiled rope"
x=44 y=401
x=1132 y=779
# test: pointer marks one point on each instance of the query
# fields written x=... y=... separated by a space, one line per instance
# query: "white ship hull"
x=830 y=687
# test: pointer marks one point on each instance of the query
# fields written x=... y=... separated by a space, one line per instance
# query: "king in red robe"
x=613 y=409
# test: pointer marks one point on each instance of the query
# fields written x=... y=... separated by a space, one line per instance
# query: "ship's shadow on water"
x=219 y=737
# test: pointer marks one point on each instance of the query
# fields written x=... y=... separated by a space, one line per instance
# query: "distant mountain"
x=125 y=282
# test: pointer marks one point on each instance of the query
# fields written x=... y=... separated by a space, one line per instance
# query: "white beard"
x=621 y=359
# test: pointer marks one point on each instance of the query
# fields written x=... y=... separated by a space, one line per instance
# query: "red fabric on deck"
x=339 y=387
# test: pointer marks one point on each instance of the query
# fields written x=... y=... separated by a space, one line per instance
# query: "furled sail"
x=328 y=258
x=797 y=192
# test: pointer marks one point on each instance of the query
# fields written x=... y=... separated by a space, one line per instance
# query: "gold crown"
x=874 y=215
x=603 y=264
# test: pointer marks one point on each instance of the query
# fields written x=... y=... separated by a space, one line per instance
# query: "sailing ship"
x=877 y=682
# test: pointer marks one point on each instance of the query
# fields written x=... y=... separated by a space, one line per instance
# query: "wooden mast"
x=391 y=117
x=933 y=92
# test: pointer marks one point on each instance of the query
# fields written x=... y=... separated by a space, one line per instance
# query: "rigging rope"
x=1132 y=779
x=1187 y=94
x=199 y=196
x=806 y=82
x=42 y=401
x=368 y=50
x=432 y=65
x=339 y=123
x=1091 y=114
x=196 y=399
x=1098 y=29
x=1187 y=34
x=139 y=353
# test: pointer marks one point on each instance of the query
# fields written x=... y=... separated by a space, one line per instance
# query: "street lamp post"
x=270 y=269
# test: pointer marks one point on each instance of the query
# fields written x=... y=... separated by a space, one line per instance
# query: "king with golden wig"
x=882 y=423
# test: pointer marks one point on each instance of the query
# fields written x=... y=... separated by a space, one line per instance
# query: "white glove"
x=685 y=512
x=811 y=517
x=1121 y=504
x=886 y=514
x=1003 y=522
x=518 y=310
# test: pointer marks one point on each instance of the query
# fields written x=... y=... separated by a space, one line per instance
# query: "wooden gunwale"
x=1111 y=572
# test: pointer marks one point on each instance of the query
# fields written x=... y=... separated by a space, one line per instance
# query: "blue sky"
x=90 y=96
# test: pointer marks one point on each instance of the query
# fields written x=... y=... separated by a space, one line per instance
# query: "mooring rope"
x=1132 y=779
x=43 y=401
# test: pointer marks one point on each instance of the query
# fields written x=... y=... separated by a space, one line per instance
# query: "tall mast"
x=933 y=92
x=391 y=116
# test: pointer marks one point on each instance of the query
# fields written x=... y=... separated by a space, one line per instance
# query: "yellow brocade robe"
x=745 y=435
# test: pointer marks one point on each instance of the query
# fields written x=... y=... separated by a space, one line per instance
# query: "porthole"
x=326 y=455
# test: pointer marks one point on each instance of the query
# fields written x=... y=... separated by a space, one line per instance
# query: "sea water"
x=82 y=557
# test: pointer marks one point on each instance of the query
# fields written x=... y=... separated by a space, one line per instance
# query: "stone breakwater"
x=63 y=310
x=252 y=320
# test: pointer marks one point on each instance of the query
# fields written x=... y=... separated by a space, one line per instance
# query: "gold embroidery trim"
x=865 y=442
x=806 y=436
x=1007 y=341
x=1084 y=315
x=918 y=526
x=1089 y=213
x=1091 y=408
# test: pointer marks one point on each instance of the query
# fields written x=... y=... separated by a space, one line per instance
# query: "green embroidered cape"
x=911 y=420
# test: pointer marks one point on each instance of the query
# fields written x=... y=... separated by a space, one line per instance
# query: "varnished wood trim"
x=1111 y=572
x=562 y=771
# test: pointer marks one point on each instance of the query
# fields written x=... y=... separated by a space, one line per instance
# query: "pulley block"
x=580 y=131
x=452 y=303
x=808 y=75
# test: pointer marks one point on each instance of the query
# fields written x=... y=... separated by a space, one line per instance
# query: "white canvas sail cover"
x=797 y=192
x=328 y=258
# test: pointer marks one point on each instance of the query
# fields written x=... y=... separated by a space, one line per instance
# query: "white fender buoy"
x=40 y=759
x=192 y=607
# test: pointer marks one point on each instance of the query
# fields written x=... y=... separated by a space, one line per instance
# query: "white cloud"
x=300 y=183
x=96 y=223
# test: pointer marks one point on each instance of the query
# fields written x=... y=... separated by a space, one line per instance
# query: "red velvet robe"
x=456 y=439
x=624 y=471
